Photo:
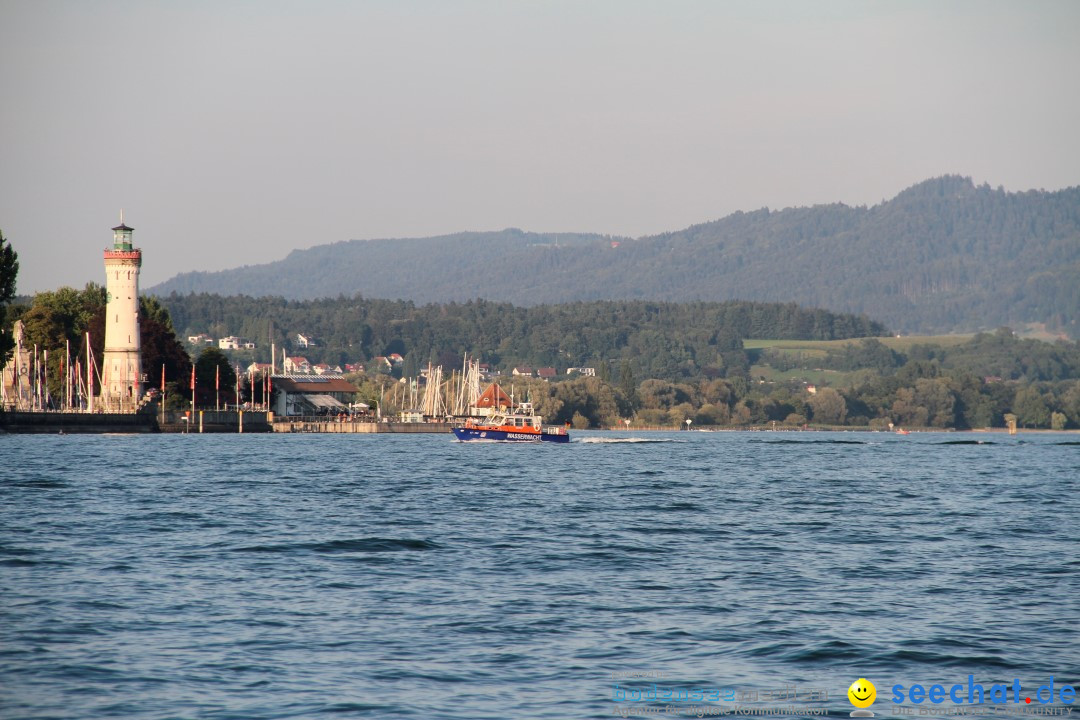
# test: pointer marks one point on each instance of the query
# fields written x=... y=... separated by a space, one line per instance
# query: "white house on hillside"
x=296 y=365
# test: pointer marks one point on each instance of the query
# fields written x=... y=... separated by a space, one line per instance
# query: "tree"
x=210 y=363
x=589 y=397
x=680 y=414
x=1070 y=403
x=717 y=392
x=60 y=319
x=652 y=417
x=163 y=351
x=411 y=367
x=627 y=384
x=828 y=406
x=869 y=353
x=741 y=414
x=1031 y=408
x=782 y=402
x=151 y=308
x=935 y=396
x=906 y=409
x=662 y=394
x=9 y=270
x=710 y=414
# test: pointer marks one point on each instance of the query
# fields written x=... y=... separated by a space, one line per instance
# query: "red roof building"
x=493 y=398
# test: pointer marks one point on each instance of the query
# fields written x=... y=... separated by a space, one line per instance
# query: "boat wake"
x=597 y=440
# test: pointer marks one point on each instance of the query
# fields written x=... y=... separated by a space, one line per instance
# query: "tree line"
x=664 y=340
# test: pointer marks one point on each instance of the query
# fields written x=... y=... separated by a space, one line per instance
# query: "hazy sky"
x=233 y=132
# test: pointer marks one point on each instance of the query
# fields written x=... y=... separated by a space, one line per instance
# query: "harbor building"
x=312 y=395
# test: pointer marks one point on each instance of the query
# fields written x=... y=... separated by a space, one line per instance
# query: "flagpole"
x=89 y=379
x=67 y=372
x=45 y=375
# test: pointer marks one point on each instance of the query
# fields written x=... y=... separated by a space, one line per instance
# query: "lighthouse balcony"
x=123 y=254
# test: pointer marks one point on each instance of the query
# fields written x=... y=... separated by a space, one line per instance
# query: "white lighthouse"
x=122 y=366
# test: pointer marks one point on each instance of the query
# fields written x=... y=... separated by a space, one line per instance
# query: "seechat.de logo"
x=976 y=694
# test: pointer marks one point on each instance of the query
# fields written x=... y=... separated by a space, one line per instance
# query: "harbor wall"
x=347 y=426
x=142 y=422
x=69 y=422
x=215 y=421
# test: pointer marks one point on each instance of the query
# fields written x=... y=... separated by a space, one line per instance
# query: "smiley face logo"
x=862 y=693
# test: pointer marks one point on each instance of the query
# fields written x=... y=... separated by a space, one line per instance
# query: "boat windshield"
x=514 y=420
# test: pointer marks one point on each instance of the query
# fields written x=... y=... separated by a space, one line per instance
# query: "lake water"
x=394 y=576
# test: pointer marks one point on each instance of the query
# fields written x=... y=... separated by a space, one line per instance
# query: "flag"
x=192 y=377
x=162 y=378
x=217 y=377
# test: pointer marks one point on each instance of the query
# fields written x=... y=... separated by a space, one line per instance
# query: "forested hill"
x=943 y=255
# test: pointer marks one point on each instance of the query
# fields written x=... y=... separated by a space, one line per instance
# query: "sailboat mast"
x=89 y=376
